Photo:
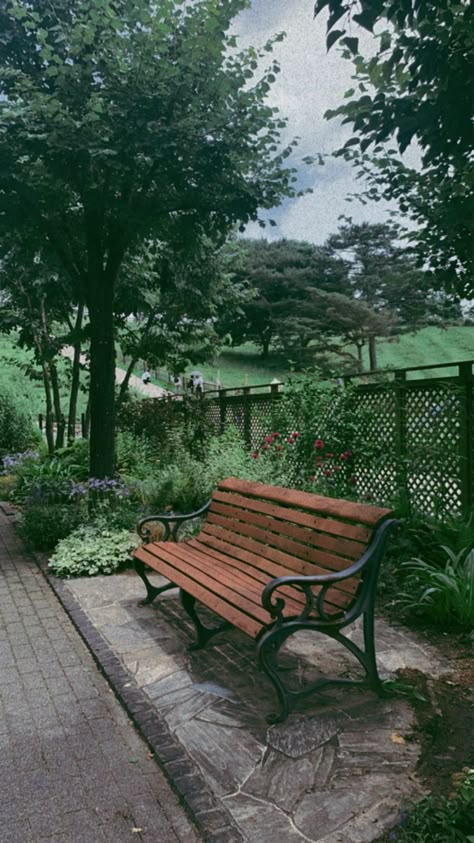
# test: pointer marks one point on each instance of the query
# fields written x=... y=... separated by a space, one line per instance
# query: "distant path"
x=149 y=389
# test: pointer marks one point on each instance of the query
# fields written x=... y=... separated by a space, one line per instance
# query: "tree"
x=182 y=298
x=35 y=302
x=416 y=89
x=120 y=122
x=284 y=274
x=383 y=276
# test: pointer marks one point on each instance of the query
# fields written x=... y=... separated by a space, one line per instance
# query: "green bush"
x=17 y=430
x=93 y=549
x=443 y=595
x=7 y=486
x=439 y=819
x=75 y=459
x=42 y=525
x=47 y=481
x=137 y=455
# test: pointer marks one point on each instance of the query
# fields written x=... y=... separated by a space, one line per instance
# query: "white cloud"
x=311 y=81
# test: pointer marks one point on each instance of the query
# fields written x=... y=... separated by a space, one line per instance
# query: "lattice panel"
x=377 y=477
x=433 y=446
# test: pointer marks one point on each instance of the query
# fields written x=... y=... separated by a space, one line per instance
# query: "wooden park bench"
x=273 y=561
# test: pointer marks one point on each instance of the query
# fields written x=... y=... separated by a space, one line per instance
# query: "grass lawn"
x=244 y=365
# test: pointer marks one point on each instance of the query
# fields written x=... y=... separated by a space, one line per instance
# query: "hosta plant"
x=92 y=549
x=443 y=595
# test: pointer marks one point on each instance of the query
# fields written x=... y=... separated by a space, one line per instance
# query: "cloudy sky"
x=311 y=81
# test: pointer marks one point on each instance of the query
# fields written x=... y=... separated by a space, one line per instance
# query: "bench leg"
x=151 y=590
x=267 y=650
x=203 y=633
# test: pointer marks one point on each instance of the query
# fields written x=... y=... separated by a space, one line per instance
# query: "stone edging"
x=211 y=819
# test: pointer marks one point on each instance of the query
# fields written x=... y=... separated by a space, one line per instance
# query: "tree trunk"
x=49 y=409
x=124 y=385
x=60 y=421
x=360 y=360
x=372 y=353
x=102 y=377
x=75 y=377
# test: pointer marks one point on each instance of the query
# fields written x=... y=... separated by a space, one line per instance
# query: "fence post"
x=400 y=392
x=40 y=421
x=247 y=417
x=466 y=437
x=222 y=410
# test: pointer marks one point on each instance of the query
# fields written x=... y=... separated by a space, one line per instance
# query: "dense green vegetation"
x=238 y=366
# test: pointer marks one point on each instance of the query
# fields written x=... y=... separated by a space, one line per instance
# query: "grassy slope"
x=431 y=345
x=32 y=391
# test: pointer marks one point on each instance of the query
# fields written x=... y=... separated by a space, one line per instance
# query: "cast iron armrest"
x=373 y=555
x=168 y=519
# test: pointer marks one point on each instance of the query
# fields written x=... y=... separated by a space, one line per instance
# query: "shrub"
x=93 y=549
x=137 y=455
x=439 y=819
x=46 y=481
x=75 y=459
x=443 y=595
x=7 y=486
x=17 y=430
x=42 y=525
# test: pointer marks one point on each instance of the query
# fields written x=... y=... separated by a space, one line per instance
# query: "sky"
x=310 y=82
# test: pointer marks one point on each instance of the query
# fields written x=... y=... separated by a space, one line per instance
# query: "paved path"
x=149 y=389
x=72 y=767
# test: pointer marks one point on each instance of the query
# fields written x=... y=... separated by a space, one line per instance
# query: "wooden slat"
x=338 y=545
x=235 y=616
x=265 y=569
x=328 y=561
x=241 y=580
x=336 y=596
x=300 y=566
x=348 y=510
x=325 y=525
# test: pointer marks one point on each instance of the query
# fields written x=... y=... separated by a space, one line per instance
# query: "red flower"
x=269 y=439
x=327 y=473
x=337 y=468
x=290 y=440
x=343 y=457
x=319 y=443
x=255 y=455
x=329 y=455
x=278 y=447
x=295 y=434
x=319 y=460
x=275 y=435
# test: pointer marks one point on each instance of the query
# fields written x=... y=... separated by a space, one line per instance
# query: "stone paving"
x=72 y=767
x=338 y=771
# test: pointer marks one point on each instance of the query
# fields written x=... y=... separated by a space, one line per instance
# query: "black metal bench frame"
x=271 y=638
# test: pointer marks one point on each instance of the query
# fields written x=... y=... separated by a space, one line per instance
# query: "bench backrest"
x=291 y=531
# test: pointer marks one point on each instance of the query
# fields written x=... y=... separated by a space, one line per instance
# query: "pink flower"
x=275 y=435
x=269 y=439
x=319 y=443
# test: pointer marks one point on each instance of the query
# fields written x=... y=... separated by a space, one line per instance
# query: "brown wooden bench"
x=272 y=561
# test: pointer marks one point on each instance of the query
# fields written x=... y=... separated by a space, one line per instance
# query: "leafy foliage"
x=92 y=549
x=417 y=88
x=17 y=431
x=437 y=819
x=443 y=595
x=42 y=525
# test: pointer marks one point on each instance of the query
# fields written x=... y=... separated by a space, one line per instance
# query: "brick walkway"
x=72 y=767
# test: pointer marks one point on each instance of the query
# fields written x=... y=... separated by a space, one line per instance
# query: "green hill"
x=237 y=366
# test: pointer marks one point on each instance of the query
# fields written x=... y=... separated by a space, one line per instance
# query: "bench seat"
x=270 y=561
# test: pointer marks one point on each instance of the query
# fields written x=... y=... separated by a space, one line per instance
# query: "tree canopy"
x=416 y=90
x=120 y=122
